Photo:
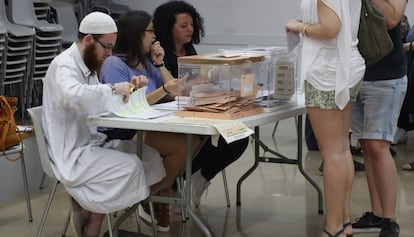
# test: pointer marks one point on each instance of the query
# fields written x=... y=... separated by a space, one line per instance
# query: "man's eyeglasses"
x=106 y=47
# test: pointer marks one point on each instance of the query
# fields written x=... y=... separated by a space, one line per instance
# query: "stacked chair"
x=3 y=51
x=106 y=6
x=64 y=14
x=47 y=44
x=16 y=60
x=42 y=9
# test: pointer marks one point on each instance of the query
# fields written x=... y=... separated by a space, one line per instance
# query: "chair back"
x=45 y=159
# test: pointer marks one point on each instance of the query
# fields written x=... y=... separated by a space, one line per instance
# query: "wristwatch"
x=112 y=86
x=159 y=65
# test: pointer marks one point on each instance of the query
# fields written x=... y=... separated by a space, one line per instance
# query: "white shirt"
x=102 y=176
x=333 y=64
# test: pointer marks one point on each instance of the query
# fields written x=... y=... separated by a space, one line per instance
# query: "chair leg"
x=108 y=219
x=274 y=128
x=154 y=226
x=46 y=210
x=181 y=192
x=42 y=181
x=26 y=189
x=226 y=189
x=65 y=227
x=138 y=220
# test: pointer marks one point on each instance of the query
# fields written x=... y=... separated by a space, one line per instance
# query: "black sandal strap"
x=335 y=235
x=347 y=224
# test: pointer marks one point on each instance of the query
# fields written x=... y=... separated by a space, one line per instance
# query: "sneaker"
x=368 y=222
x=144 y=214
x=408 y=166
x=400 y=137
x=198 y=185
x=389 y=228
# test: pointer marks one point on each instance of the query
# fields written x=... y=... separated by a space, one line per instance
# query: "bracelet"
x=304 y=30
x=159 y=65
x=166 y=91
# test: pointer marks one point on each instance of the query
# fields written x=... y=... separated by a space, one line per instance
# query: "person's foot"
x=408 y=166
x=78 y=219
x=162 y=216
x=400 y=137
x=198 y=186
x=368 y=222
x=389 y=228
x=349 y=232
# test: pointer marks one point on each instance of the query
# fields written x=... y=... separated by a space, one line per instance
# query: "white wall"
x=241 y=22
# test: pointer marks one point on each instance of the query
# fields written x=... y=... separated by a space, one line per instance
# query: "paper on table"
x=136 y=107
x=292 y=40
x=231 y=130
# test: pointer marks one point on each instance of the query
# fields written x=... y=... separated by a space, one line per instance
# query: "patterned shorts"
x=326 y=99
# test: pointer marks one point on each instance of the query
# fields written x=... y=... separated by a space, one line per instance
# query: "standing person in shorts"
x=374 y=121
x=331 y=68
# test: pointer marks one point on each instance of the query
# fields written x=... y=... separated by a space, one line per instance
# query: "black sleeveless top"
x=392 y=66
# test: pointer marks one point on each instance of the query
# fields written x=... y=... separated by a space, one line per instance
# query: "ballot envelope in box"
x=220 y=86
x=277 y=76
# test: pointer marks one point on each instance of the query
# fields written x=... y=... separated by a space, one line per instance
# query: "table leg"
x=256 y=163
x=302 y=170
x=188 y=174
x=282 y=159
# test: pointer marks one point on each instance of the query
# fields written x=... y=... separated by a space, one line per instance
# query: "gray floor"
x=276 y=199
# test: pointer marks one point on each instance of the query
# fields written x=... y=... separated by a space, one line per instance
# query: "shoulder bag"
x=9 y=133
x=374 y=40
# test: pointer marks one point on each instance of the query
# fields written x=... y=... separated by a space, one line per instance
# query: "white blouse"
x=333 y=64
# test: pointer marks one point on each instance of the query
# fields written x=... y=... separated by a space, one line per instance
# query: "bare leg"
x=381 y=177
x=331 y=129
x=93 y=224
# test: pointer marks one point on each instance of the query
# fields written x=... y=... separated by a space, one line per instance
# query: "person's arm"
x=408 y=47
x=393 y=10
x=328 y=26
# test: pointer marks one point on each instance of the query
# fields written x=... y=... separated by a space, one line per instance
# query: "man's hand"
x=139 y=81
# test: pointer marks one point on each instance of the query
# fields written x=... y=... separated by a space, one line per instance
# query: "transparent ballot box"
x=218 y=86
x=277 y=76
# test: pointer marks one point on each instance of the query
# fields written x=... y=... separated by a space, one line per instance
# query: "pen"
x=132 y=89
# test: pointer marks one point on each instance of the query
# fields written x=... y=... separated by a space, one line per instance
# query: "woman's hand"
x=157 y=53
x=294 y=25
x=172 y=85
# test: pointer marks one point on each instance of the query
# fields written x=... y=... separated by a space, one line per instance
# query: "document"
x=231 y=130
x=136 y=107
x=292 y=40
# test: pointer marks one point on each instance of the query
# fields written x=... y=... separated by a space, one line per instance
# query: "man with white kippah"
x=102 y=176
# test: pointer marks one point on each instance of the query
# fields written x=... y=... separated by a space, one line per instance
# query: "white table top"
x=161 y=124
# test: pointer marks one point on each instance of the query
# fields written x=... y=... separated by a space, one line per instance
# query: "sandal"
x=337 y=234
x=408 y=166
x=345 y=226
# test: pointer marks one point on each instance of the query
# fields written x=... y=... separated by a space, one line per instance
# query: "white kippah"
x=97 y=23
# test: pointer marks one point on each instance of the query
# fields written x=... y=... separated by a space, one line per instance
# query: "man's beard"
x=91 y=59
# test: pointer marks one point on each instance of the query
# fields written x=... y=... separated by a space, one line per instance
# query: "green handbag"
x=374 y=40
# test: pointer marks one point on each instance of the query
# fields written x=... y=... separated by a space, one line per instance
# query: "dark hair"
x=131 y=29
x=165 y=17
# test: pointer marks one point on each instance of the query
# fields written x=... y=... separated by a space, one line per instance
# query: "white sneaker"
x=198 y=185
x=400 y=137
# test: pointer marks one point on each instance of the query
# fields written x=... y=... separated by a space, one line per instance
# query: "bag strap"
x=6 y=130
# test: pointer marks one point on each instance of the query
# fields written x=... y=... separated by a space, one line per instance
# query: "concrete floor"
x=276 y=199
